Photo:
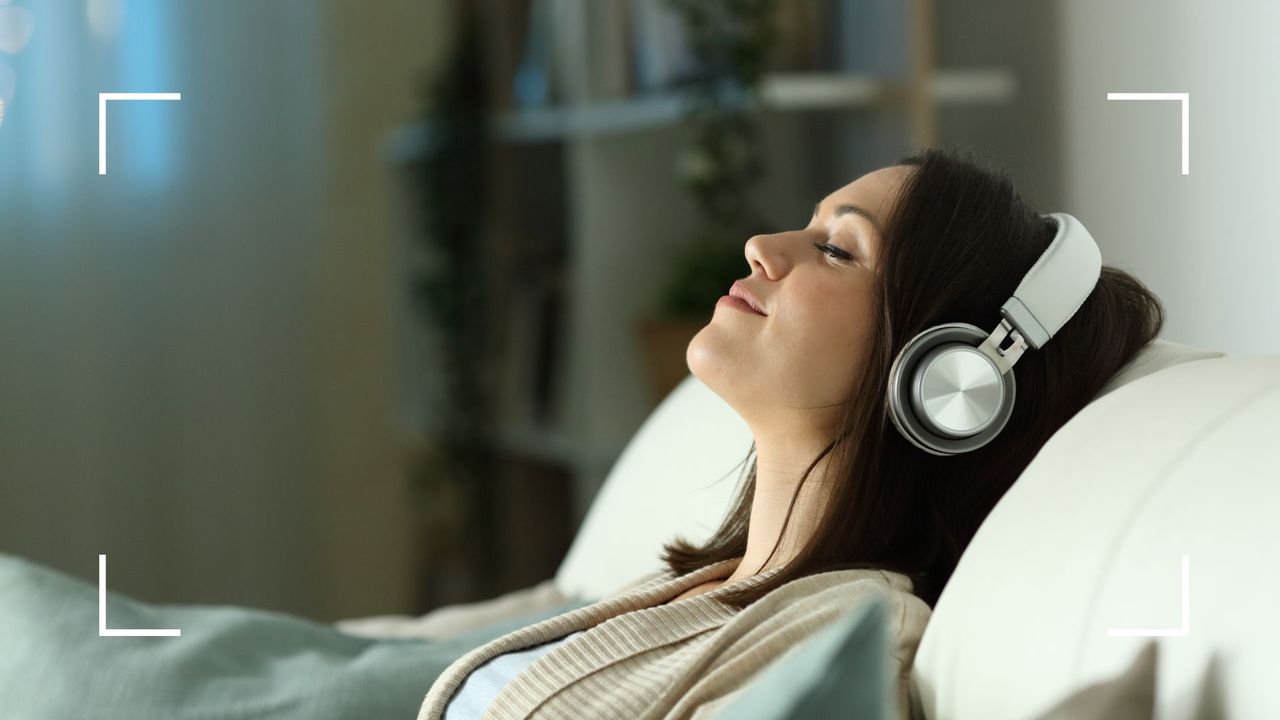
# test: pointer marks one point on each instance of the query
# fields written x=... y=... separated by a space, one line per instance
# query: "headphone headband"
x=1057 y=285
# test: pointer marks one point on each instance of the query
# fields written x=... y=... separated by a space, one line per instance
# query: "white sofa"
x=1180 y=455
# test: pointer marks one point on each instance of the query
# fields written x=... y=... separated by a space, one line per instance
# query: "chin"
x=713 y=361
x=697 y=355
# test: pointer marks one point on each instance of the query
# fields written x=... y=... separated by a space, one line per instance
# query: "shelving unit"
x=780 y=92
x=605 y=168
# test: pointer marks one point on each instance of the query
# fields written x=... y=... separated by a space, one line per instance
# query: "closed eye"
x=832 y=251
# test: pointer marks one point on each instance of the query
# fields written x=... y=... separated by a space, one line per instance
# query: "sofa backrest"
x=1157 y=355
x=1183 y=463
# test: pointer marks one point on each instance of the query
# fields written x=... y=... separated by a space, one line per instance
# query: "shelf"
x=779 y=92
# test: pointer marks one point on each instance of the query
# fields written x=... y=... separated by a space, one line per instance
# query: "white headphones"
x=951 y=388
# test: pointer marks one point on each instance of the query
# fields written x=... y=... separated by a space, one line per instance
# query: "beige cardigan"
x=644 y=659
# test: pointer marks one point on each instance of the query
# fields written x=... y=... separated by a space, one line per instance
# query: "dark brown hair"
x=958 y=240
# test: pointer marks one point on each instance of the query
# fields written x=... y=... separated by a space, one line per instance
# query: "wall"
x=379 y=58
x=1203 y=241
x=1024 y=135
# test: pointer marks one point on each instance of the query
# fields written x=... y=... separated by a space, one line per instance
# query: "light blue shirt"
x=478 y=690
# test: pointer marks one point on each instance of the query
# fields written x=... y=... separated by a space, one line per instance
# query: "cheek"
x=833 y=321
x=828 y=340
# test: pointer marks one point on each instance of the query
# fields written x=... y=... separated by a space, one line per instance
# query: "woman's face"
x=815 y=286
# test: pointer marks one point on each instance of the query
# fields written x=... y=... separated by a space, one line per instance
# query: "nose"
x=764 y=253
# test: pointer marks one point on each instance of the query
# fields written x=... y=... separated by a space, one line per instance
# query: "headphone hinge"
x=1004 y=358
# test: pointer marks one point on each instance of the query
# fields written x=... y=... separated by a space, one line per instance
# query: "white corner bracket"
x=1185 y=99
x=103 y=98
x=103 y=631
x=1182 y=631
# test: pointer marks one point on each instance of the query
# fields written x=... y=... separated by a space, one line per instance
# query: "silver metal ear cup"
x=956 y=390
x=946 y=396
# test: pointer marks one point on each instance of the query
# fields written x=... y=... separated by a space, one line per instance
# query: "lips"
x=740 y=291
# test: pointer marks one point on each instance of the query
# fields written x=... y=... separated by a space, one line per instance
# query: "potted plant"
x=453 y=473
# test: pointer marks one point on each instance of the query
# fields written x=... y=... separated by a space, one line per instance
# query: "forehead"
x=873 y=191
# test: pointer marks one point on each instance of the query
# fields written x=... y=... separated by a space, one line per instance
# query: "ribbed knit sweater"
x=646 y=659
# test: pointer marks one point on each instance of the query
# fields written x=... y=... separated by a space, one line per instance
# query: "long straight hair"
x=957 y=242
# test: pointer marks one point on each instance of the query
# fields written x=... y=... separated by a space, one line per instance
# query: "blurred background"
x=360 y=324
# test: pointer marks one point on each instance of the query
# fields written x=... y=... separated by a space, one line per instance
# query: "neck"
x=779 y=469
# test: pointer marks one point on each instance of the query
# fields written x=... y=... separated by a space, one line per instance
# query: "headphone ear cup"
x=910 y=379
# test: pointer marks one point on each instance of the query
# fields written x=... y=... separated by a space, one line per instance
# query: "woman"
x=837 y=506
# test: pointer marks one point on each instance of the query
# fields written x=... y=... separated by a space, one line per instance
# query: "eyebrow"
x=848 y=209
